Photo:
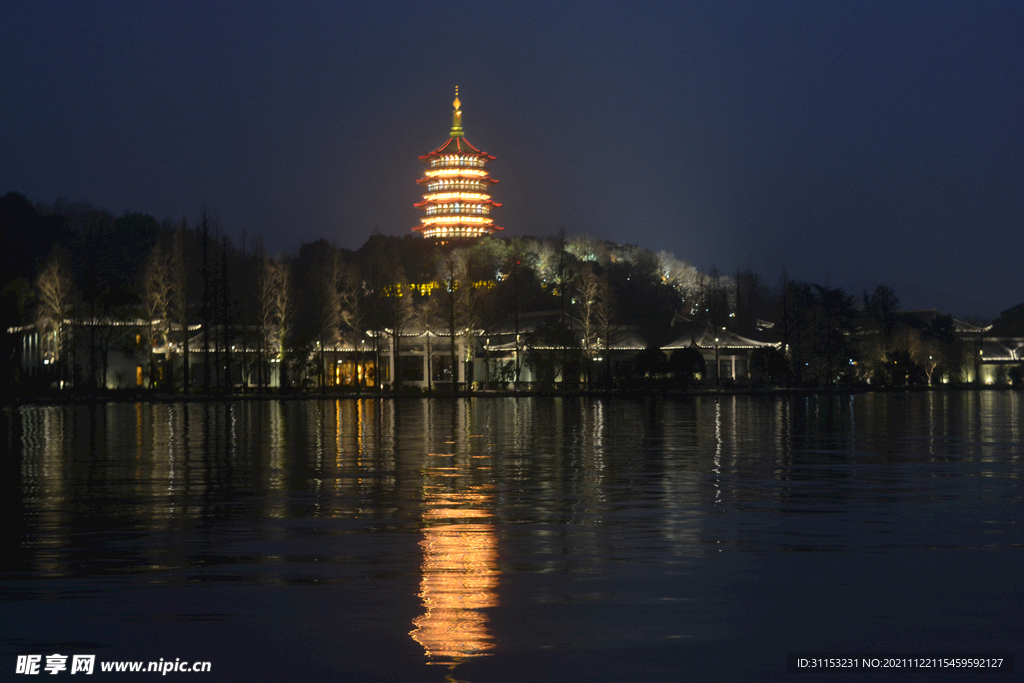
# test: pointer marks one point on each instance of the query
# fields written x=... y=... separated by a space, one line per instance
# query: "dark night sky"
x=853 y=143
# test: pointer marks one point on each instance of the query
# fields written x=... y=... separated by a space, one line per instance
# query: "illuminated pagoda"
x=457 y=203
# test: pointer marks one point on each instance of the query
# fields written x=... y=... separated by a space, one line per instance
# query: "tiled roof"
x=705 y=336
x=457 y=145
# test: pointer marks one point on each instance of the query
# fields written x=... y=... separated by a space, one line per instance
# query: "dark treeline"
x=94 y=285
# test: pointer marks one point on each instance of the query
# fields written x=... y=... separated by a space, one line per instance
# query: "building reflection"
x=460 y=560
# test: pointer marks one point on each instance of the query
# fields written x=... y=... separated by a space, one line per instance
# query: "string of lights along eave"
x=457 y=202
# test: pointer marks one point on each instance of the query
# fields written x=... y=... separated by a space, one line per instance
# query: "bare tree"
x=920 y=349
x=328 y=276
x=352 y=297
x=177 y=304
x=875 y=354
x=54 y=291
x=605 y=316
x=591 y=296
x=928 y=355
x=428 y=315
x=397 y=307
x=517 y=250
x=157 y=302
x=276 y=313
x=470 y=299
x=452 y=275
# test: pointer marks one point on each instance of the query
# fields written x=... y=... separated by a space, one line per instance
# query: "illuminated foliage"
x=53 y=289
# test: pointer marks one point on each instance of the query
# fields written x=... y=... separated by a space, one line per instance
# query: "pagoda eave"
x=458 y=227
x=459 y=144
x=448 y=231
x=466 y=202
x=480 y=179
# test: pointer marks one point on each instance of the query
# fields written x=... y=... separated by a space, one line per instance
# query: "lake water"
x=515 y=539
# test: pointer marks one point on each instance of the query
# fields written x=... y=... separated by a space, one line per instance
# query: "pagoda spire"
x=457 y=131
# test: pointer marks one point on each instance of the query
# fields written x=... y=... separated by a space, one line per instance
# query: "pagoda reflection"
x=460 y=565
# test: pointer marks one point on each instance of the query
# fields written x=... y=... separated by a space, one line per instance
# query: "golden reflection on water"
x=460 y=567
x=45 y=438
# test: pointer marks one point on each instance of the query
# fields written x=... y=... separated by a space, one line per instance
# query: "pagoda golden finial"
x=457 y=116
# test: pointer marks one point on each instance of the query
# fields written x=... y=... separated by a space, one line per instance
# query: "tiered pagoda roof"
x=457 y=145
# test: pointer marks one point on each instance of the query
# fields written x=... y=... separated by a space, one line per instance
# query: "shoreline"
x=124 y=396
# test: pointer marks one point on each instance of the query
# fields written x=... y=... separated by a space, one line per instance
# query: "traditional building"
x=726 y=353
x=456 y=203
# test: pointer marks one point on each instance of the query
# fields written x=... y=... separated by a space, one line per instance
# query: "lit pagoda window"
x=457 y=202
